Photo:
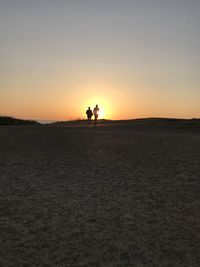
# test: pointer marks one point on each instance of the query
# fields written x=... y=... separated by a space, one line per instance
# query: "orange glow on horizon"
x=113 y=101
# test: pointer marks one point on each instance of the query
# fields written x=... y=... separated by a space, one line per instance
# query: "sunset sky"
x=135 y=58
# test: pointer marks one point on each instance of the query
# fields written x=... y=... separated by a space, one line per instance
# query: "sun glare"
x=104 y=108
x=101 y=113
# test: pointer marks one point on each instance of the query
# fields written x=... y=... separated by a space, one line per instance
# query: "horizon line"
x=104 y=119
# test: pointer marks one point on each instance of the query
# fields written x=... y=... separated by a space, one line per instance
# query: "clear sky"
x=135 y=58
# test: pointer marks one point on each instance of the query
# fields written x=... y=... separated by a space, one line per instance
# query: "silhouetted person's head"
x=96 y=106
x=88 y=107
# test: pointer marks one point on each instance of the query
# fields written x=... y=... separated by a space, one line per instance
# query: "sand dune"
x=120 y=194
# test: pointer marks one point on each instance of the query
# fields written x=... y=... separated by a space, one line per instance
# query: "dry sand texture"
x=119 y=195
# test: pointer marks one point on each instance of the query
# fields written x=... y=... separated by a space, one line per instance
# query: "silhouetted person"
x=96 y=114
x=89 y=114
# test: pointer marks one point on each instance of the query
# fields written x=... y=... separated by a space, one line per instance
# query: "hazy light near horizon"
x=134 y=58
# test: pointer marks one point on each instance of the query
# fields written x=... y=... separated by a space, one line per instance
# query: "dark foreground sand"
x=125 y=194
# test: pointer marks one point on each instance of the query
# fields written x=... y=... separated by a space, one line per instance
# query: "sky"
x=134 y=58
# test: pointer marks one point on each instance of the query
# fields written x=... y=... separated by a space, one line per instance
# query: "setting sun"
x=101 y=113
x=105 y=108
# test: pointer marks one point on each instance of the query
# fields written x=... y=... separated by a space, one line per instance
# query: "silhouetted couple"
x=95 y=113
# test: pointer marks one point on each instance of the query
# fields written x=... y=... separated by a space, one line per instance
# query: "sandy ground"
x=119 y=195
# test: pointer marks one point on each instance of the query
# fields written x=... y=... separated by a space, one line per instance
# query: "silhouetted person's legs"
x=95 y=120
x=89 y=119
x=96 y=112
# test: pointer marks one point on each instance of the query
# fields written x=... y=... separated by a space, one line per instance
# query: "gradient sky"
x=135 y=58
